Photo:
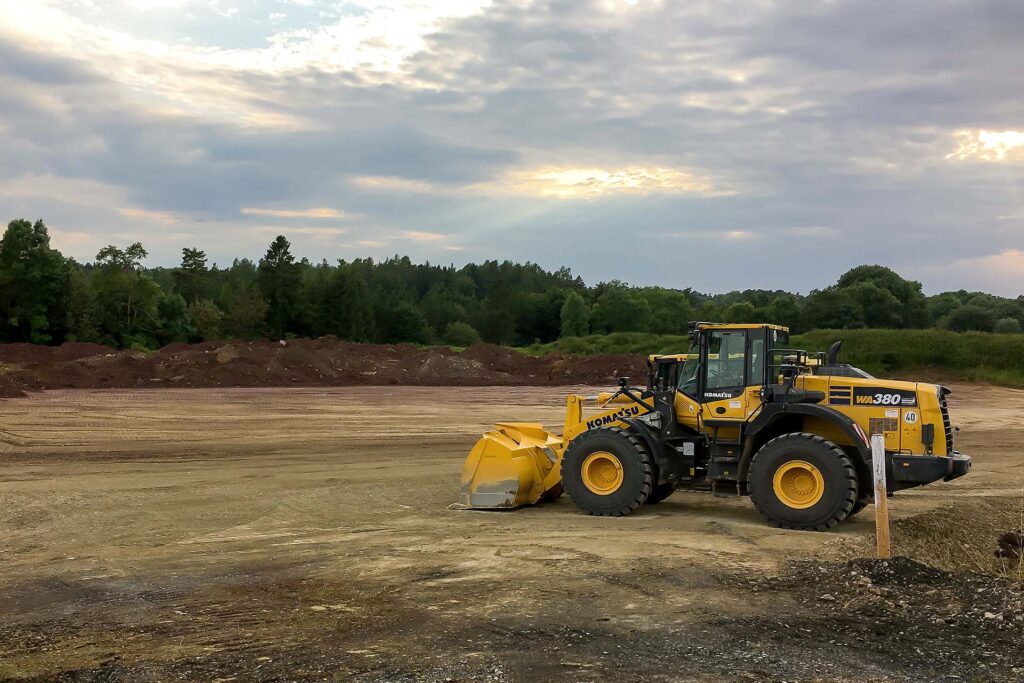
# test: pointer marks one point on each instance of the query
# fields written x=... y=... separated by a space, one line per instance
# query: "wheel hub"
x=602 y=473
x=799 y=484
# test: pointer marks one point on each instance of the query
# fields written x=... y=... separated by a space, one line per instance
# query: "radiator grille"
x=945 y=421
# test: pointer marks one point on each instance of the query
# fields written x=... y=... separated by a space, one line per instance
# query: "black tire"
x=838 y=487
x=660 y=492
x=858 y=506
x=636 y=479
x=554 y=494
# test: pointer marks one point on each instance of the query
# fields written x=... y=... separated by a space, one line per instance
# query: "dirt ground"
x=303 y=534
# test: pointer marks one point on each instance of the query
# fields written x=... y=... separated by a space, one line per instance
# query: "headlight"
x=651 y=420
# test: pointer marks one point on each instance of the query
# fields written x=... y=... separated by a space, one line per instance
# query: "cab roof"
x=674 y=356
x=738 y=326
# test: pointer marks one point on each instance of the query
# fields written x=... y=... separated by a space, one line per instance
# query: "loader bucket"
x=514 y=464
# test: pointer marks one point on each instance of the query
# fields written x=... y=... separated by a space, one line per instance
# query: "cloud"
x=720 y=235
x=145 y=5
x=295 y=213
x=84 y=191
x=392 y=184
x=999 y=273
x=573 y=183
x=420 y=236
x=313 y=231
x=145 y=214
x=772 y=233
x=817 y=231
x=564 y=133
x=76 y=241
x=989 y=145
x=558 y=182
x=374 y=36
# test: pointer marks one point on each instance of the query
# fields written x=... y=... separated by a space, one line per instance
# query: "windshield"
x=688 y=373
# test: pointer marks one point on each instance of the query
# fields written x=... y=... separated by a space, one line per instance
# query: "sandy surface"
x=303 y=533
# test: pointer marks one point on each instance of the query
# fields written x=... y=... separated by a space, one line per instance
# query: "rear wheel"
x=802 y=481
x=858 y=506
x=607 y=471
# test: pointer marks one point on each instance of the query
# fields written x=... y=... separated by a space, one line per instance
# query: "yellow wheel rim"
x=799 y=484
x=602 y=473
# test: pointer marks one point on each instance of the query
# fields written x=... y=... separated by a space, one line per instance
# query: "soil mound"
x=10 y=388
x=326 y=361
x=900 y=571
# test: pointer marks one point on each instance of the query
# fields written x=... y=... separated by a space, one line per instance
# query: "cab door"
x=724 y=386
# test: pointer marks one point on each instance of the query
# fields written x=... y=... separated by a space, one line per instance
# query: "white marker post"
x=881 y=500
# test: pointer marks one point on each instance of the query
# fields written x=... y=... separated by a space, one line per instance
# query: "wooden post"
x=881 y=498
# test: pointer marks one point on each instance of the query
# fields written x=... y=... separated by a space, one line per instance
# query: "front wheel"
x=660 y=493
x=802 y=481
x=607 y=471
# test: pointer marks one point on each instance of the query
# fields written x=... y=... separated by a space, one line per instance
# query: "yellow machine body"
x=518 y=464
x=514 y=464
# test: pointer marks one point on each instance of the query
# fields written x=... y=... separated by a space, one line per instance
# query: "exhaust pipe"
x=833 y=353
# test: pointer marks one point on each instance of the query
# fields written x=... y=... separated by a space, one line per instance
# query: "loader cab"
x=726 y=363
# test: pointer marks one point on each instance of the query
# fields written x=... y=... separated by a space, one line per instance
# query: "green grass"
x=996 y=358
x=618 y=342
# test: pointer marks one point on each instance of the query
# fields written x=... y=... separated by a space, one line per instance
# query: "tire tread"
x=850 y=498
x=643 y=459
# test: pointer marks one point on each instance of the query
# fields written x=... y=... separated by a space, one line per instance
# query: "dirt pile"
x=972 y=622
x=306 y=362
x=10 y=387
x=966 y=536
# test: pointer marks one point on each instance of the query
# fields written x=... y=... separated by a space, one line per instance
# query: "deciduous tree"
x=575 y=316
x=33 y=279
x=126 y=298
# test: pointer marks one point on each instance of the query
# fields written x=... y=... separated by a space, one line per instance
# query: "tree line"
x=47 y=298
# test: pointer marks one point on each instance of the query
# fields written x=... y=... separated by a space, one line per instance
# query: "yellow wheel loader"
x=739 y=414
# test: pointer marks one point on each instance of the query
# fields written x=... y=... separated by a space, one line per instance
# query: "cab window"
x=755 y=373
x=726 y=359
x=688 y=375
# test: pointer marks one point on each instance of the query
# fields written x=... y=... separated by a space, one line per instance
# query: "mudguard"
x=770 y=412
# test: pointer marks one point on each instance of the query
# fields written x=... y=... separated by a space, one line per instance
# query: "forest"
x=47 y=298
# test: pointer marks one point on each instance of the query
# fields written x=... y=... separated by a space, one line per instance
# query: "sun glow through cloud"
x=295 y=213
x=559 y=182
x=588 y=182
x=989 y=145
x=391 y=183
x=148 y=215
x=420 y=236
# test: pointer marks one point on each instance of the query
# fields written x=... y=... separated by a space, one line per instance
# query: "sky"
x=712 y=144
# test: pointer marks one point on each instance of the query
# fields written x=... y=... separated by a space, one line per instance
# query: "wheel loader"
x=739 y=414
